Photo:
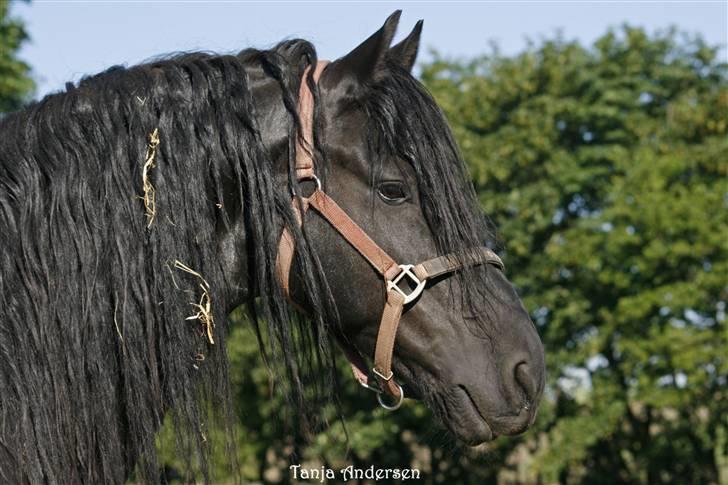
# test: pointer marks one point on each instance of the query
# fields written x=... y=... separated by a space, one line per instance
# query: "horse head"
x=385 y=154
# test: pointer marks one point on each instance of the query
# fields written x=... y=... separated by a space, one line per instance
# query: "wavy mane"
x=95 y=340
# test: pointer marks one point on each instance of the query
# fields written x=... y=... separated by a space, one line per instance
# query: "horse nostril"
x=526 y=381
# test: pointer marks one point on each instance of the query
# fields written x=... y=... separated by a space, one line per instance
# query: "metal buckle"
x=381 y=376
x=311 y=177
x=376 y=389
x=407 y=271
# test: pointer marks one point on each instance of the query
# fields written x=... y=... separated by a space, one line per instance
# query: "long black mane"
x=95 y=341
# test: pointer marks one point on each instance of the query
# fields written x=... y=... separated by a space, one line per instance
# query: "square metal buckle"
x=382 y=376
x=406 y=270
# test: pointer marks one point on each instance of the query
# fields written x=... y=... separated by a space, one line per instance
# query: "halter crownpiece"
x=392 y=272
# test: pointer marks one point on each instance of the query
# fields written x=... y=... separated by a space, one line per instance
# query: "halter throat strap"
x=396 y=276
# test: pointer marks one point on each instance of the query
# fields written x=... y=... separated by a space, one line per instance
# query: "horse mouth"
x=463 y=418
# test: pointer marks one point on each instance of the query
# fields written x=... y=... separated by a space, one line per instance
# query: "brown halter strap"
x=385 y=265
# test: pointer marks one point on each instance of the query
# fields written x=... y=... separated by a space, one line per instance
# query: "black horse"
x=141 y=206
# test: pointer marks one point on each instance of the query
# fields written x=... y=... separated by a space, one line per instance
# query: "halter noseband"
x=393 y=273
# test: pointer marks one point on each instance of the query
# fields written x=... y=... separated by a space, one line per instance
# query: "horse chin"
x=464 y=420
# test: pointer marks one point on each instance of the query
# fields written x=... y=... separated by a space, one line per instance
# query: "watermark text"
x=323 y=474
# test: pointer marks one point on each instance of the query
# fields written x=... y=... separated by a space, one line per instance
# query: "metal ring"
x=395 y=406
x=310 y=177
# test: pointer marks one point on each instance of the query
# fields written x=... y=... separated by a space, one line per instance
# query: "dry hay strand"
x=150 y=197
x=204 y=306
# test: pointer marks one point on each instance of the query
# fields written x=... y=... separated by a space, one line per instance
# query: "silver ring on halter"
x=310 y=177
x=393 y=407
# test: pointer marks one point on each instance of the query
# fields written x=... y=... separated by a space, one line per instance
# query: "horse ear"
x=366 y=61
x=405 y=53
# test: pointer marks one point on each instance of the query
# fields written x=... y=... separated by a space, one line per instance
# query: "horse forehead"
x=345 y=120
x=346 y=138
x=348 y=133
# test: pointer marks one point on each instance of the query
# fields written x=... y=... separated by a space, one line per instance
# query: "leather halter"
x=392 y=272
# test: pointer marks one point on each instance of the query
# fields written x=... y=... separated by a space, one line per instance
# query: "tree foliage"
x=16 y=85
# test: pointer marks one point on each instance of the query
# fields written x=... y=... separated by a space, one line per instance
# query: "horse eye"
x=393 y=192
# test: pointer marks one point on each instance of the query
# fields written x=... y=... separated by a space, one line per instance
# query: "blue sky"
x=70 y=39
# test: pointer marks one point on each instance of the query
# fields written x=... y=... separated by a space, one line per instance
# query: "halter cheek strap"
x=395 y=275
x=304 y=171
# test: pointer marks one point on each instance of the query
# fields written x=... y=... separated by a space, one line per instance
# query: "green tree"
x=605 y=170
x=16 y=85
